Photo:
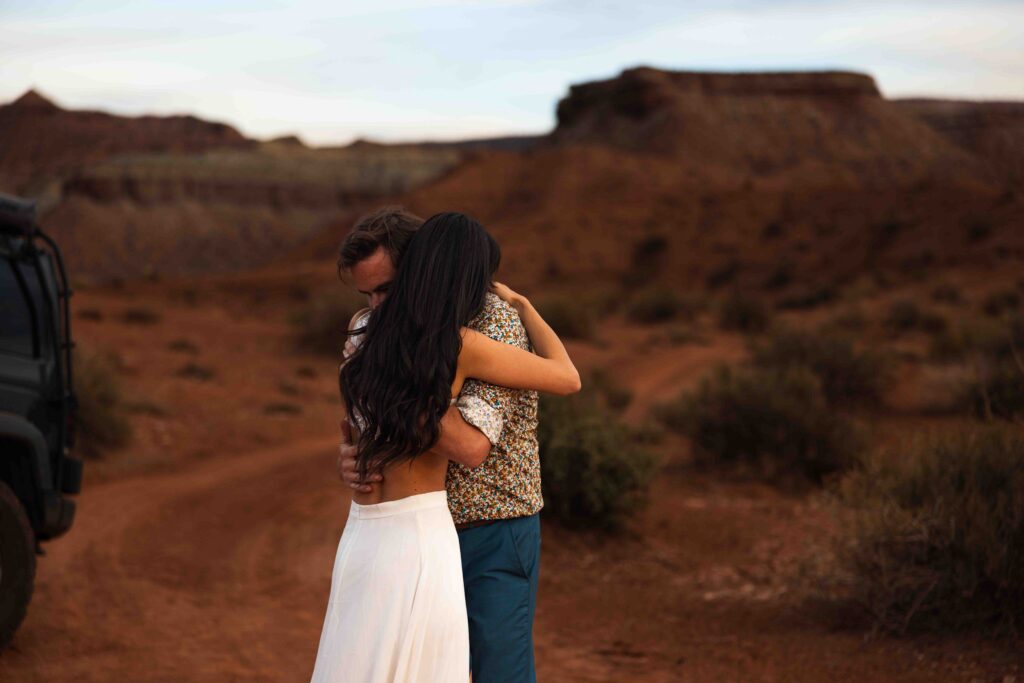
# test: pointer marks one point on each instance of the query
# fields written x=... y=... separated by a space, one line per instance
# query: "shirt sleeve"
x=481 y=414
x=486 y=406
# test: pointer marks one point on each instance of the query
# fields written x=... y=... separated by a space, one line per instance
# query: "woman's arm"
x=549 y=369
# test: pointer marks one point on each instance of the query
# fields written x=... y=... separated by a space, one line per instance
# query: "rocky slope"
x=992 y=130
x=788 y=185
x=42 y=140
x=148 y=195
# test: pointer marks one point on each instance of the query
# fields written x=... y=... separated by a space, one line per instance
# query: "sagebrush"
x=593 y=472
x=933 y=539
x=848 y=375
x=776 y=421
x=101 y=416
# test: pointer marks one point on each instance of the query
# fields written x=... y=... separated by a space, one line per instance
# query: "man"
x=494 y=496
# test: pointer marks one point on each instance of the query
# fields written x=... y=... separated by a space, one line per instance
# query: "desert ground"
x=203 y=550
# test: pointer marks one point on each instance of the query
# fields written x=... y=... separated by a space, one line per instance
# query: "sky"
x=391 y=70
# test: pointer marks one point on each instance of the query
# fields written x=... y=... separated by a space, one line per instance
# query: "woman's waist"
x=400 y=504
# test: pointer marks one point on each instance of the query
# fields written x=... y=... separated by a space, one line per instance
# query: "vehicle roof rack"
x=17 y=215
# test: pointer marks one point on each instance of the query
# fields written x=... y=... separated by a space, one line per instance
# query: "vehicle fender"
x=18 y=428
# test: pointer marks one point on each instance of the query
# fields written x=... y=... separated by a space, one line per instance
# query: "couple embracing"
x=435 y=575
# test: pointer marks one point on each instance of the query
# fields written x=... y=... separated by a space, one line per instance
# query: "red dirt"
x=203 y=550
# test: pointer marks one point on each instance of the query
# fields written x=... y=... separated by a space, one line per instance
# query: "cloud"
x=446 y=68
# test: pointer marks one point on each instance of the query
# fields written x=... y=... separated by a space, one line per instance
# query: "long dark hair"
x=399 y=381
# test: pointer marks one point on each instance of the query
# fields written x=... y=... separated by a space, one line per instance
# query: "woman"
x=397 y=607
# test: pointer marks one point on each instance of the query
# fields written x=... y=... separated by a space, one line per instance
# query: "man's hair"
x=390 y=227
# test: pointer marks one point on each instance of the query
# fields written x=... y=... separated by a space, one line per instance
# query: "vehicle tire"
x=17 y=563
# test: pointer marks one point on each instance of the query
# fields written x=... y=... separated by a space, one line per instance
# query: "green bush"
x=594 y=474
x=743 y=313
x=101 y=421
x=934 y=538
x=654 y=305
x=846 y=374
x=570 y=317
x=774 y=420
x=321 y=322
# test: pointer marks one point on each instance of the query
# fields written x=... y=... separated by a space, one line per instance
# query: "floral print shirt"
x=507 y=484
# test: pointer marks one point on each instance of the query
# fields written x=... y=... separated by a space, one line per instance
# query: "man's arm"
x=460 y=442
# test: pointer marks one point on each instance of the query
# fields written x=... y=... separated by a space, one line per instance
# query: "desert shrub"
x=781 y=276
x=743 y=313
x=677 y=335
x=905 y=315
x=1000 y=302
x=594 y=474
x=851 y=319
x=282 y=408
x=982 y=338
x=183 y=345
x=196 y=371
x=808 y=297
x=934 y=538
x=146 y=407
x=140 y=316
x=648 y=258
x=847 y=375
x=947 y=293
x=978 y=231
x=772 y=230
x=101 y=421
x=570 y=317
x=776 y=421
x=321 y=322
x=654 y=305
x=997 y=390
x=615 y=395
x=723 y=274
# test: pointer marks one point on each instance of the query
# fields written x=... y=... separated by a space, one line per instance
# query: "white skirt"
x=397 y=609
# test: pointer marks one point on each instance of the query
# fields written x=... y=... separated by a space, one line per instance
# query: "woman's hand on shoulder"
x=509 y=296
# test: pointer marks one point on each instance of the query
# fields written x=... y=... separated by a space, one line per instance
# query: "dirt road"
x=215 y=573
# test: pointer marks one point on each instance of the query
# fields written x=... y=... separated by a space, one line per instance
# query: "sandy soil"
x=203 y=551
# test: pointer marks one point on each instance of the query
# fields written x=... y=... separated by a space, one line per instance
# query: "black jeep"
x=37 y=405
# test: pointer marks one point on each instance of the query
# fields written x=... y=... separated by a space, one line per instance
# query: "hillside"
x=992 y=130
x=42 y=140
x=793 y=185
x=129 y=197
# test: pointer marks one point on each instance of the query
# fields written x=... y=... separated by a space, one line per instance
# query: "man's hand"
x=349 y=473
